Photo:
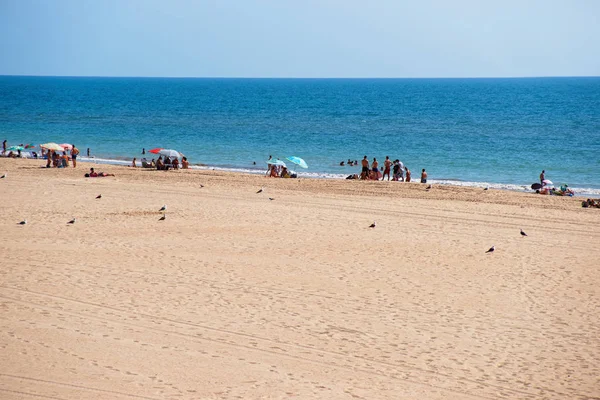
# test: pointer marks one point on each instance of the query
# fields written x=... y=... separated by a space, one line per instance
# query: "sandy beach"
x=234 y=295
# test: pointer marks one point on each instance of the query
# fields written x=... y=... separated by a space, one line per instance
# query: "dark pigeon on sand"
x=523 y=233
x=99 y=196
x=373 y=225
x=163 y=217
x=491 y=250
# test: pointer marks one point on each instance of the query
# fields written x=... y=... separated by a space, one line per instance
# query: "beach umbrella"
x=66 y=146
x=277 y=162
x=155 y=151
x=547 y=182
x=536 y=186
x=15 y=148
x=30 y=146
x=298 y=161
x=169 y=153
x=51 y=146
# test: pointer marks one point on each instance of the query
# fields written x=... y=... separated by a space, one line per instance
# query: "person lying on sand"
x=94 y=174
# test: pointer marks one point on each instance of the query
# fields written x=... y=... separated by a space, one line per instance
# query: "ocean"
x=499 y=133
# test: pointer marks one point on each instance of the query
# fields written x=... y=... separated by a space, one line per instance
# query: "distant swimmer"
x=491 y=250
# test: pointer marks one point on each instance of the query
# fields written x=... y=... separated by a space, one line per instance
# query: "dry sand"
x=237 y=296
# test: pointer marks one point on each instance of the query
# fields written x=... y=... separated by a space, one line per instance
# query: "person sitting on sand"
x=55 y=159
x=159 y=164
x=285 y=173
x=184 y=163
x=273 y=173
x=64 y=159
x=175 y=163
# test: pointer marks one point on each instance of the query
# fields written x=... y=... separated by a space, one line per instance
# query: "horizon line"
x=297 y=77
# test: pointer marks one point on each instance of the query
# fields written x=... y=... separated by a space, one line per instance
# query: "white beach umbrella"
x=170 y=153
x=52 y=146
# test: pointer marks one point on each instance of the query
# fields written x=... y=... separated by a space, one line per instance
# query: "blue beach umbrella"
x=298 y=161
x=15 y=148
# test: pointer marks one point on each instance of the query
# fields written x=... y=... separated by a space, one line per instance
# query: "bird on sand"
x=491 y=250
x=260 y=190
x=486 y=188
x=99 y=196
x=373 y=225
x=3 y=176
x=428 y=187
x=523 y=233
x=271 y=198
x=163 y=217
x=72 y=221
x=163 y=208
x=24 y=222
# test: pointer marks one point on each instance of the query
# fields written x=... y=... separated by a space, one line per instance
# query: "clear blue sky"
x=300 y=38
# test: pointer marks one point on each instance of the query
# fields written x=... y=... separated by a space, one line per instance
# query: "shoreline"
x=305 y=174
x=352 y=188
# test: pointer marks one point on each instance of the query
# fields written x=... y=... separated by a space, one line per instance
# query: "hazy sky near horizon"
x=300 y=38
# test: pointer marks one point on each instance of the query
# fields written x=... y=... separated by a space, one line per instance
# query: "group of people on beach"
x=395 y=170
x=57 y=160
x=162 y=164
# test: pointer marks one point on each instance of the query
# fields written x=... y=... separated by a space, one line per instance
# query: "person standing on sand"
x=543 y=177
x=375 y=169
x=4 y=146
x=396 y=170
x=365 y=168
x=423 y=176
x=88 y=152
x=74 y=154
x=133 y=162
x=387 y=164
x=407 y=174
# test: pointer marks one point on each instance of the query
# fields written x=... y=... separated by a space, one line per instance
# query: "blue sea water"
x=497 y=132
